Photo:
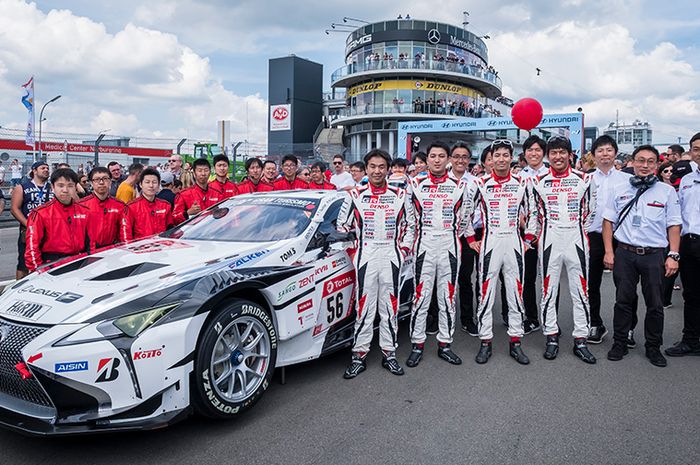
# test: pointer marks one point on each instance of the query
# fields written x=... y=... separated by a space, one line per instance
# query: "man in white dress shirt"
x=644 y=216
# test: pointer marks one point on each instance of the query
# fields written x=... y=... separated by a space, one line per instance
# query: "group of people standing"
x=548 y=219
x=59 y=218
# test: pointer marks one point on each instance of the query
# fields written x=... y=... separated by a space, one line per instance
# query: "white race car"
x=198 y=318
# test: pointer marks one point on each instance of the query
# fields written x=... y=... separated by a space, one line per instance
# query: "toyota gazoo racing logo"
x=280 y=114
x=433 y=36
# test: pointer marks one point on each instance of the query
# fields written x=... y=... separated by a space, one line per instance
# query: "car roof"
x=300 y=193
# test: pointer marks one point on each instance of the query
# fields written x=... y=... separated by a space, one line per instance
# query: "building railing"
x=420 y=64
x=482 y=111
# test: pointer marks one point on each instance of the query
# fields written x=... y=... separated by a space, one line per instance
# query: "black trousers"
x=668 y=289
x=629 y=269
x=467 y=289
x=595 y=278
x=690 y=271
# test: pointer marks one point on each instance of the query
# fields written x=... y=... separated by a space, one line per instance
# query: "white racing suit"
x=502 y=201
x=564 y=204
x=382 y=219
x=439 y=211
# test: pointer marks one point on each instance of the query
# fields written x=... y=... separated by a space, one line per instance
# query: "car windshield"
x=249 y=219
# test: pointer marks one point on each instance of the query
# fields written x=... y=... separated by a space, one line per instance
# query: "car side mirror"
x=334 y=236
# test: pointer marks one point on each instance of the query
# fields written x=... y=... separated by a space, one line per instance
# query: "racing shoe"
x=356 y=367
x=390 y=363
x=631 y=343
x=597 y=333
x=416 y=356
x=485 y=352
x=582 y=352
x=516 y=351
x=445 y=353
x=552 y=349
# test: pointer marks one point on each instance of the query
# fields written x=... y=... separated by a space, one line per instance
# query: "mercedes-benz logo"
x=433 y=36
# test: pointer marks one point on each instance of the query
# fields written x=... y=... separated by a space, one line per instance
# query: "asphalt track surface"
x=561 y=411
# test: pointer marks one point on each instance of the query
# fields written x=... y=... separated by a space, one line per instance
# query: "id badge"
x=636 y=221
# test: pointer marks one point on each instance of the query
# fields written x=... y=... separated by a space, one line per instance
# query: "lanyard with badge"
x=642 y=184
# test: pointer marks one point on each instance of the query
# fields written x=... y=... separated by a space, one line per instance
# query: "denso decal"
x=144 y=354
x=302 y=307
x=65 y=367
x=339 y=282
x=248 y=258
x=341 y=261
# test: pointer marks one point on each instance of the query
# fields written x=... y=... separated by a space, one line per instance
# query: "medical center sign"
x=280 y=117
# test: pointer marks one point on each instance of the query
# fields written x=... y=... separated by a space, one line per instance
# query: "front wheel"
x=235 y=360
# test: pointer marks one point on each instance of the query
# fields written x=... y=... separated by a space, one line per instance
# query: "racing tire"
x=235 y=360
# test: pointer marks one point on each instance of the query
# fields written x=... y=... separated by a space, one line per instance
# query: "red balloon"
x=526 y=113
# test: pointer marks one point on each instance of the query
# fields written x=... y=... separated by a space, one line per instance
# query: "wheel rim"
x=240 y=359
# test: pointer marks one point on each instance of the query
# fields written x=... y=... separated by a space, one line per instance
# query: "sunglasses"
x=557 y=137
x=501 y=143
x=337 y=162
x=667 y=170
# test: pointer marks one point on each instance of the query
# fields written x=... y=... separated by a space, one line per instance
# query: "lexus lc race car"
x=140 y=335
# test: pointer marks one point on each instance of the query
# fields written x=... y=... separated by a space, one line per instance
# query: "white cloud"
x=599 y=68
x=115 y=123
x=134 y=81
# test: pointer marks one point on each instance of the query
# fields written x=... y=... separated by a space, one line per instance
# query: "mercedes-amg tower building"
x=409 y=69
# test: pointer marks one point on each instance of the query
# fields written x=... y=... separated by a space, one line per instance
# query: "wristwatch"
x=674 y=255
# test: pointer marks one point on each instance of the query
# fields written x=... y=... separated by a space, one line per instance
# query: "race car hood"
x=84 y=288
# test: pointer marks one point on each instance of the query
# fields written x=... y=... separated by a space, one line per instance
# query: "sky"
x=173 y=68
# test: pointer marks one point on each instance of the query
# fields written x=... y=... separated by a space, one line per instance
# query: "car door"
x=334 y=274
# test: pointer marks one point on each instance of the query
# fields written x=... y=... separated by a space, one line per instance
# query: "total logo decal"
x=144 y=354
x=107 y=370
x=65 y=367
x=336 y=284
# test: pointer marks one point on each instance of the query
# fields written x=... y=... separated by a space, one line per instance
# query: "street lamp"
x=41 y=118
x=100 y=136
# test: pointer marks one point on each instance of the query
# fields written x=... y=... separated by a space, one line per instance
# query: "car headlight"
x=130 y=325
x=134 y=324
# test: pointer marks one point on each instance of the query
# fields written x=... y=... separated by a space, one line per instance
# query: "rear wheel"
x=235 y=360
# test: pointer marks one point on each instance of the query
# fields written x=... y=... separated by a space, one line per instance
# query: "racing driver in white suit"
x=438 y=201
x=382 y=217
x=502 y=198
x=563 y=197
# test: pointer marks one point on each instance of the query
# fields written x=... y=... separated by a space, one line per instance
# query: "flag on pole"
x=28 y=102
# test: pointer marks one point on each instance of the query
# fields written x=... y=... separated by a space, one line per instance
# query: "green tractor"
x=209 y=151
